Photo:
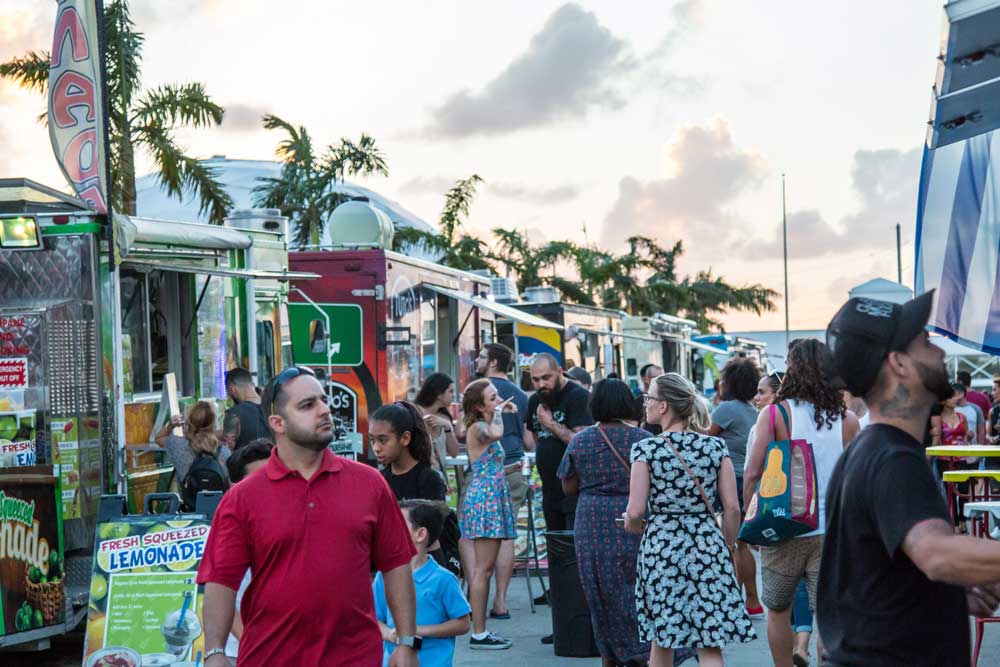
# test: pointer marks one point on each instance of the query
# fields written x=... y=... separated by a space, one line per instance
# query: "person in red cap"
x=896 y=583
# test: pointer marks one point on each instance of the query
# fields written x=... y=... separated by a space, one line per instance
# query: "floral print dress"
x=487 y=510
x=686 y=591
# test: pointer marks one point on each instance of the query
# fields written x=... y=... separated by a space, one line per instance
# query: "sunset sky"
x=669 y=119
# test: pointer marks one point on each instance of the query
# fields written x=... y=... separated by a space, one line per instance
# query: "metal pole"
x=784 y=238
x=899 y=258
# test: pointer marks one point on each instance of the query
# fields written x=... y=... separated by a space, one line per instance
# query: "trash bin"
x=572 y=632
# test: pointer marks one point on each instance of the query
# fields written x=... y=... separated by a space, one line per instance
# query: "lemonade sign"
x=31 y=572
x=17 y=438
x=144 y=600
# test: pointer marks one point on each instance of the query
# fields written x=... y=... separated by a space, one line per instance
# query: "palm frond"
x=30 y=71
x=178 y=172
x=355 y=159
x=171 y=105
x=297 y=148
x=123 y=55
x=457 y=204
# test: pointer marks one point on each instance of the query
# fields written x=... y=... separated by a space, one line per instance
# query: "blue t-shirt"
x=513 y=436
x=439 y=599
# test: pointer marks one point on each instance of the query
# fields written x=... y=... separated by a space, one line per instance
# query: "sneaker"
x=548 y=639
x=542 y=599
x=755 y=612
x=489 y=643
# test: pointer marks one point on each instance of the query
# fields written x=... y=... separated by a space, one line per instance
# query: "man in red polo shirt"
x=309 y=525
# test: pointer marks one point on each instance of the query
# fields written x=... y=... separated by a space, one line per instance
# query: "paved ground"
x=525 y=629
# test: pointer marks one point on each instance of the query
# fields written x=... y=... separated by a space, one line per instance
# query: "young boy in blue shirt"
x=442 y=610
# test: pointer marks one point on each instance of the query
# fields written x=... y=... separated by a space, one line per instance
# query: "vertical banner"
x=76 y=101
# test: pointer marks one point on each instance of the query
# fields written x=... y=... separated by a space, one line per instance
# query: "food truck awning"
x=221 y=272
x=494 y=307
x=703 y=347
x=173 y=233
x=619 y=334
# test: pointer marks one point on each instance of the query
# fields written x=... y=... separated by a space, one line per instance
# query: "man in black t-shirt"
x=896 y=583
x=245 y=421
x=556 y=411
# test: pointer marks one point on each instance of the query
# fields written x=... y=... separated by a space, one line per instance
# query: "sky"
x=588 y=121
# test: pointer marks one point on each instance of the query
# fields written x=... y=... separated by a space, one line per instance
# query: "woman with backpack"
x=810 y=407
x=199 y=460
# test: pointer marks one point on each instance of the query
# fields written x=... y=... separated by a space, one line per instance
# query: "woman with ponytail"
x=686 y=589
x=402 y=446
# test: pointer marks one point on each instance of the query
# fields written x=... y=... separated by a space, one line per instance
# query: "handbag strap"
x=784 y=417
x=701 y=490
x=613 y=450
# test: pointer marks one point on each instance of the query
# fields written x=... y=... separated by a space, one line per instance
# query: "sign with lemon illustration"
x=143 y=595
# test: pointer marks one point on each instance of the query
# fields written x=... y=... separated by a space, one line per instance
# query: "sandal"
x=800 y=660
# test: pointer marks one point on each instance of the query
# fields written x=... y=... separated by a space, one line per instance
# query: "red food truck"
x=376 y=323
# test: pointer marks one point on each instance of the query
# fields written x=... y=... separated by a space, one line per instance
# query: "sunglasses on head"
x=284 y=376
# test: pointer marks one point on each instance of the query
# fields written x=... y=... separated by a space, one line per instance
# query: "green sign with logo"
x=310 y=335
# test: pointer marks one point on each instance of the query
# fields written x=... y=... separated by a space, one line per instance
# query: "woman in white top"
x=816 y=414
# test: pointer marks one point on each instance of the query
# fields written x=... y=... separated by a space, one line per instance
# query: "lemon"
x=182 y=566
x=179 y=524
x=98 y=587
x=157 y=528
x=104 y=560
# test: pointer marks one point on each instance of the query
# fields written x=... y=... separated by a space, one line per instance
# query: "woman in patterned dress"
x=686 y=592
x=605 y=554
x=487 y=515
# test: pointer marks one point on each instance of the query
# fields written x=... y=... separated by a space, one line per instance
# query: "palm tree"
x=306 y=189
x=449 y=244
x=141 y=119
x=534 y=266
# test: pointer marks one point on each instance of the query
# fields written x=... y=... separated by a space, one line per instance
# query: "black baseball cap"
x=864 y=331
x=580 y=374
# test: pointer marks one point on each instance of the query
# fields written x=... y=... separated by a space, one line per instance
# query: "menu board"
x=31 y=574
x=145 y=607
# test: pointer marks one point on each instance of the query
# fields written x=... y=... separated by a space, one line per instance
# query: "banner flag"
x=958 y=240
x=76 y=104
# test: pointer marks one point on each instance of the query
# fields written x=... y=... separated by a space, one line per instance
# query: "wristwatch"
x=413 y=642
x=214 y=651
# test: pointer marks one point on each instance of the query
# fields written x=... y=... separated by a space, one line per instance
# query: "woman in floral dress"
x=487 y=514
x=686 y=590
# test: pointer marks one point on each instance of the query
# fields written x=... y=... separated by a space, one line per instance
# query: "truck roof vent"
x=258 y=219
x=541 y=294
x=504 y=290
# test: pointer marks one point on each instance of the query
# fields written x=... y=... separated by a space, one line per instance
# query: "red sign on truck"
x=13 y=373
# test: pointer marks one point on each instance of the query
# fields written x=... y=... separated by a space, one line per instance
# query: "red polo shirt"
x=310 y=546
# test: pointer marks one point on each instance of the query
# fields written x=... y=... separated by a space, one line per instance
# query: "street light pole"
x=784 y=237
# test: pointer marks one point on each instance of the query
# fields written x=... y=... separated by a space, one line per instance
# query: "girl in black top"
x=402 y=447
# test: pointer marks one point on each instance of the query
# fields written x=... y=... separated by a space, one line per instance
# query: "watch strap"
x=411 y=641
x=211 y=652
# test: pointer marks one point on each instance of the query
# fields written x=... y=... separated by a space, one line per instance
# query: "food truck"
x=377 y=323
x=660 y=339
x=95 y=320
x=589 y=337
x=715 y=349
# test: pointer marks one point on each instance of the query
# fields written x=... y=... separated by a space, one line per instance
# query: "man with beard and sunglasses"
x=556 y=412
x=896 y=583
x=310 y=526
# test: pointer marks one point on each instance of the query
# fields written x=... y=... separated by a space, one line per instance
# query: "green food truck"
x=95 y=321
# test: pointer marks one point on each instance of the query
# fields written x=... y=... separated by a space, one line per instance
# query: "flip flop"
x=500 y=617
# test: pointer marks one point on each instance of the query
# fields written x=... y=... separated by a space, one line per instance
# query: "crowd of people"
x=654 y=481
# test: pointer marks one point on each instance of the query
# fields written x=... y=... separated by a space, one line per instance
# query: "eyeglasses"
x=646 y=398
x=284 y=376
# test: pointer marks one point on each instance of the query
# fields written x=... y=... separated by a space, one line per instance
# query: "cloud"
x=422 y=185
x=540 y=195
x=687 y=16
x=886 y=183
x=709 y=172
x=243 y=118
x=535 y=195
x=570 y=68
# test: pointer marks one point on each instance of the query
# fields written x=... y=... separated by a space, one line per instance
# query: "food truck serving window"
x=156 y=308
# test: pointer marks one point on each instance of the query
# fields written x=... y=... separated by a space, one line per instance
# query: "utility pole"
x=784 y=237
x=899 y=258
